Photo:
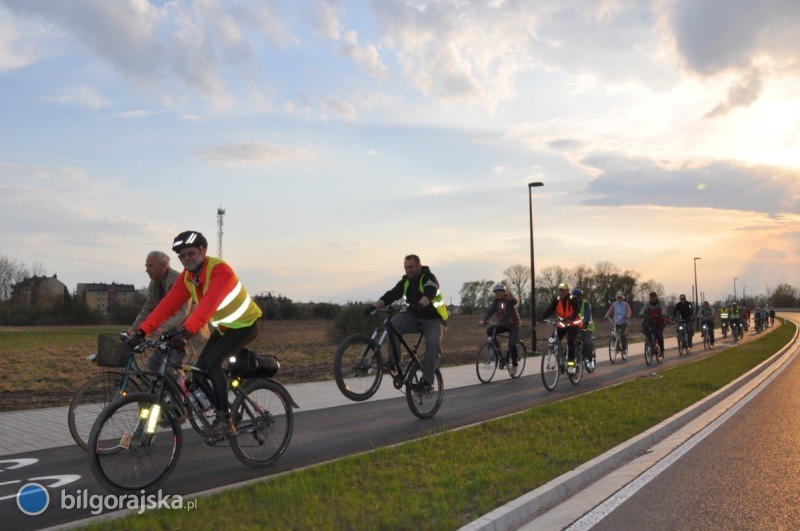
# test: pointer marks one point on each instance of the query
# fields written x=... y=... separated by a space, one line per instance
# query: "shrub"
x=350 y=320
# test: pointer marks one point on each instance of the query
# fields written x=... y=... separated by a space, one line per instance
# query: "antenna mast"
x=220 y=213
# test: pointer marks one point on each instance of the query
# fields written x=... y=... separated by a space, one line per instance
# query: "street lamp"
x=531 y=186
x=734 y=288
x=696 y=289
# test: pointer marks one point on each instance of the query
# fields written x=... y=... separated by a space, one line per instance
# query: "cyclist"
x=162 y=277
x=588 y=326
x=745 y=313
x=706 y=316
x=220 y=300
x=504 y=305
x=654 y=313
x=724 y=318
x=734 y=319
x=426 y=313
x=620 y=313
x=685 y=312
x=771 y=316
x=563 y=307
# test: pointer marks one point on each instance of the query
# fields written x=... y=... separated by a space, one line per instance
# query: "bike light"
x=144 y=413
x=235 y=383
x=152 y=420
x=232 y=359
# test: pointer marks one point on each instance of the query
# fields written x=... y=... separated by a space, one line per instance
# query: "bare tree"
x=11 y=273
x=518 y=277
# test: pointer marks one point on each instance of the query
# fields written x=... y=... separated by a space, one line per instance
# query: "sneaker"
x=221 y=427
x=590 y=364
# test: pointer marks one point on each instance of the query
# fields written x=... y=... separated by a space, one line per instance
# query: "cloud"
x=714 y=35
x=722 y=184
x=251 y=154
x=326 y=20
x=366 y=58
x=84 y=96
x=740 y=94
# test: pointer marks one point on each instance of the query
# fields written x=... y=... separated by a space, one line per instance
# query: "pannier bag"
x=111 y=351
x=248 y=364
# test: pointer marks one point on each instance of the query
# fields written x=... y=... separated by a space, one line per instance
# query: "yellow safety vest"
x=236 y=310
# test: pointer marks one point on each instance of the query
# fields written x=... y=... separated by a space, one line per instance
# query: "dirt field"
x=44 y=368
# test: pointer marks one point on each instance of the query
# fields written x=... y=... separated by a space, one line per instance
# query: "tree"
x=475 y=295
x=11 y=273
x=517 y=278
x=784 y=296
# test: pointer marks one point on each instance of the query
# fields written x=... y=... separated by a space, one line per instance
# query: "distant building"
x=39 y=292
x=98 y=296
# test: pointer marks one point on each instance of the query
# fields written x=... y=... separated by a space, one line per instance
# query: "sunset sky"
x=341 y=135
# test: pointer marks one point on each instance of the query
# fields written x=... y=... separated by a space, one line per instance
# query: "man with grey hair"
x=162 y=277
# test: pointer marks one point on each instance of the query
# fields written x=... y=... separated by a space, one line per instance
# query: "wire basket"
x=111 y=351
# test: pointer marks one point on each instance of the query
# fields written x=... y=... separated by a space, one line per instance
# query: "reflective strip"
x=232 y=295
x=236 y=314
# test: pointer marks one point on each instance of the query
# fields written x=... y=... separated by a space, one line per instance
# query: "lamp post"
x=531 y=186
x=696 y=289
x=734 y=288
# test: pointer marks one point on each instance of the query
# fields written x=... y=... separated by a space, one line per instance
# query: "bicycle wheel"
x=522 y=355
x=575 y=377
x=357 y=367
x=681 y=344
x=90 y=400
x=612 y=349
x=706 y=341
x=649 y=351
x=486 y=364
x=124 y=455
x=424 y=403
x=550 y=368
x=264 y=422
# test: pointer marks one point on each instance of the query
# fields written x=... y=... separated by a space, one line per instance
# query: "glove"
x=135 y=339
x=369 y=311
x=179 y=340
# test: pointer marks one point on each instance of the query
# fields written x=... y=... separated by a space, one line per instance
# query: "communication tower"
x=220 y=213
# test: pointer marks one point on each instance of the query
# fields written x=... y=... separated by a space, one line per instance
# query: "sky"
x=339 y=136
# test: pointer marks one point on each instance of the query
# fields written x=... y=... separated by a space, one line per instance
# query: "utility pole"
x=220 y=213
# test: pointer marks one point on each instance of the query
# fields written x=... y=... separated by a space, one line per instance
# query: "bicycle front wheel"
x=264 y=422
x=486 y=364
x=424 y=403
x=706 y=342
x=681 y=344
x=357 y=367
x=576 y=376
x=550 y=368
x=612 y=349
x=648 y=352
x=522 y=356
x=92 y=398
x=131 y=451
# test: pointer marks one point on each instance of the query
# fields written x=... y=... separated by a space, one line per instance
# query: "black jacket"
x=430 y=287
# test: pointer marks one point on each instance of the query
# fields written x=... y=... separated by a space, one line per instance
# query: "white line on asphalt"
x=593 y=517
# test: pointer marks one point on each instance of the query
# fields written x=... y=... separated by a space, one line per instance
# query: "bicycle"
x=736 y=331
x=651 y=348
x=491 y=356
x=615 y=344
x=99 y=391
x=682 y=335
x=704 y=331
x=724 y=328
x=136 y=441
x=554 y=362
x=358 y=368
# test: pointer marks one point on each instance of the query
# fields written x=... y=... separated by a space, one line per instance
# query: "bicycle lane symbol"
x=31 y=495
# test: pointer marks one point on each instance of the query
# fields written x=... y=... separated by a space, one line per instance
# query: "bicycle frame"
x=387 y=330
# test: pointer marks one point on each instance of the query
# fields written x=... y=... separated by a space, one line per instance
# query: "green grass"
x=450 y=479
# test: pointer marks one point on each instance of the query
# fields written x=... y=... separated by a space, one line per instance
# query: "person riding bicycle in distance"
x=706 y=315
x=620 y=314
x=735 y=318
x=504 y=305
x=426 y=311
x=221 y=300
x=564 y=308
x=685 y=312
x=654 y=313
x=588 y=326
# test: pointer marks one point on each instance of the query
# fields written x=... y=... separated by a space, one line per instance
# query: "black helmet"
x=188 y=238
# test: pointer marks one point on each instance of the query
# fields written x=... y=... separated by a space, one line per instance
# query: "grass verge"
x=449 y=480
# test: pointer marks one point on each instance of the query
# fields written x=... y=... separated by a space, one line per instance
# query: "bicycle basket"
x=111 y=351
x=248 y=364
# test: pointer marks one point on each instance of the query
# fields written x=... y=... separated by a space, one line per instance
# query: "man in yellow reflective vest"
x=221 y=301
x=426 y=313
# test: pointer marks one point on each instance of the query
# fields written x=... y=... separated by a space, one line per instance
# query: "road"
x=319 y=436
